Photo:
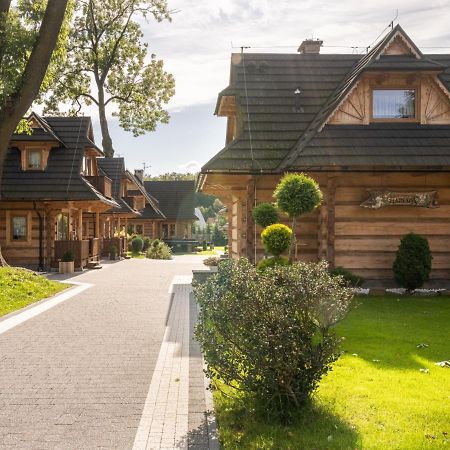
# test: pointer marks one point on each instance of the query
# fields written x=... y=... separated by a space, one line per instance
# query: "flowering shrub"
x=268 y=334
x=276 y=238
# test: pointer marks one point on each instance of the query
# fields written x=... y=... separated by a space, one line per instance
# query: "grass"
x=137 y=255
x=20 y=288
x=376 y=397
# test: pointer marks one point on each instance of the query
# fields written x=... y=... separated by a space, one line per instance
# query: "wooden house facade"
x=50 y=186
x=372 y=129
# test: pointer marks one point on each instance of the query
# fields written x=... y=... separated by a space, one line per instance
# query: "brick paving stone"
x=77 y=375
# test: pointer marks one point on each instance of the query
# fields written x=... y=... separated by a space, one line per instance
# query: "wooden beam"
x=97 y=225
x=250 y=223
x=80 y=225
x=331 y=189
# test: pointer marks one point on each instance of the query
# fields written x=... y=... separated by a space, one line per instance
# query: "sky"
x=196 y=48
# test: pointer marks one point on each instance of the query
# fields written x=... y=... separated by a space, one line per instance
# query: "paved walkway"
x=81 y=374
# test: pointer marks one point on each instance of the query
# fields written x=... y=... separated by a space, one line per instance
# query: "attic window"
x=34 y=159
x=394 y=104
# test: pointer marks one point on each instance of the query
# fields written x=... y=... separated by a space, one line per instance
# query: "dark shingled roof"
x=62 y=179
x=275 y=137
x=176 y=198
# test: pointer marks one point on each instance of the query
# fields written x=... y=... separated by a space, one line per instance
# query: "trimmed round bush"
x=137 y=244
x=269 y=335
x=265 y=214
x=276 y=238
x=159 y=250
x=412 y=265
x=350 y=278
x=297 y=194
x=268 y=263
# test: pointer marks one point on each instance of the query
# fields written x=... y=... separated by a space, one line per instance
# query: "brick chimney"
x=310 y=47
x=139 y=174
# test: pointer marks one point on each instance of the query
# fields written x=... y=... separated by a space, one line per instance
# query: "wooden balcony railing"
x=83 y=251
x=102 y=184
x=121 y=244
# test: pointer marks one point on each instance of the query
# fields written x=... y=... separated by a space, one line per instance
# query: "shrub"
x=272 y=262
x=211 y=261
x=268 y=334
x=68 y=256
x=137 y=244
x=147 y=242
x=159 y=250
x=276 y=238
x=204 y=246
x=218 y=236
x=412 y=265
x=113 y=252
x=265 y=214
x=350 y=278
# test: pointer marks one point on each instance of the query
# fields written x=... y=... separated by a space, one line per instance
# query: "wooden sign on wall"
x=378 y=199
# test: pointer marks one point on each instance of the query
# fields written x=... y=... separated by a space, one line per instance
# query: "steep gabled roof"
x=176 y=198
x=275 y=136
x=62 y=179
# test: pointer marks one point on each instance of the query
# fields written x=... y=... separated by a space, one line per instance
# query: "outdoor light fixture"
x=298 y=106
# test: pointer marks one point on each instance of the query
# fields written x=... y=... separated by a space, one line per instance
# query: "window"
x=172 y=230
x=34 y=159
x=62 y=227
x=139 y=230
x=19 y=227
x=394 y=104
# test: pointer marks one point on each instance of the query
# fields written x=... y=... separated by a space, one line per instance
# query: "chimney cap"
x=310 y=46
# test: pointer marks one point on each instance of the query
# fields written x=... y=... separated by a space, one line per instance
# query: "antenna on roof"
x=394 y=19
x=244 y=47
x=146 y=166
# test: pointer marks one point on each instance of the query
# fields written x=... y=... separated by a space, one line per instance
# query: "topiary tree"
x=412 y=265
x=137 y=244
x=268 y=263
x=265 y=214
x=276 y=238
x=297 y=194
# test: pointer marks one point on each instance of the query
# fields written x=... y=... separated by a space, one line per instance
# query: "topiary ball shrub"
x=350 y=278
x=267 y=335
x=297 y=194
x=159 y=250
x=412 y=265
x=68 y=256
x=267 y=263
x=276 y=238
x=265 y=214
x=137 y=244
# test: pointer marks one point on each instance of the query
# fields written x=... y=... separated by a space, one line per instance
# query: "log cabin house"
x=132 y=201
x=175 y=200
x=372 y=129
x=50 y=185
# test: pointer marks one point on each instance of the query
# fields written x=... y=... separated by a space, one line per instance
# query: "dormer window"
x=394 y=104
x=34 y=160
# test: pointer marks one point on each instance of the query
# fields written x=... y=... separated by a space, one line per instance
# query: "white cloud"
x=189 y=167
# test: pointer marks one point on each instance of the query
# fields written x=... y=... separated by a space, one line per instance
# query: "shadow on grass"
x=314 y=427
x=397 y=332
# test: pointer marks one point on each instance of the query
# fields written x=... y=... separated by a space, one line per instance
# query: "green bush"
x=68 y=256
x=412 y=265
x=159 y=250
x=276 y=238
x=350 y=278
x=147 y=242
x=272 y=262
x=268 y=333
x=297 y=194
x=113 y=252
x=137 y=244
x=265 y=214
x=218 y=236
x=204 y=246
x=211 y=261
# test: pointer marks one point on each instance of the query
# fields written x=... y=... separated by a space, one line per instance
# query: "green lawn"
x=376 y=397
x=19 y=288
x=138 y=255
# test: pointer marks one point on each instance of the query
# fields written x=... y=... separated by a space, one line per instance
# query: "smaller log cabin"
x=176 y=201
x=372 y=129
x=50 y=185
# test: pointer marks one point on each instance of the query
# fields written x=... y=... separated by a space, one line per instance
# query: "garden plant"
x=158 y=250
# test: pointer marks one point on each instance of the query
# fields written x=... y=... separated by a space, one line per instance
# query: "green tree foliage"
x=297 y=194
x=265 y=214
x=268 y=334
x=274 y=261
x=137 y=244
x=108 y=64
x=218 y=236
x=172 y=176
x=412 y=265
x=276 y=238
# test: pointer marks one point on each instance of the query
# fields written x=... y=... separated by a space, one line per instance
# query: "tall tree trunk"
x=106 y=138
x=16 y=106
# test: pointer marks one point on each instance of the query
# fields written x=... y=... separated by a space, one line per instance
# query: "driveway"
x=77 y=375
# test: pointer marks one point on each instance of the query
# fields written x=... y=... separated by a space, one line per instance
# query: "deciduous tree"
x=29 y=33
x=108 y=65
